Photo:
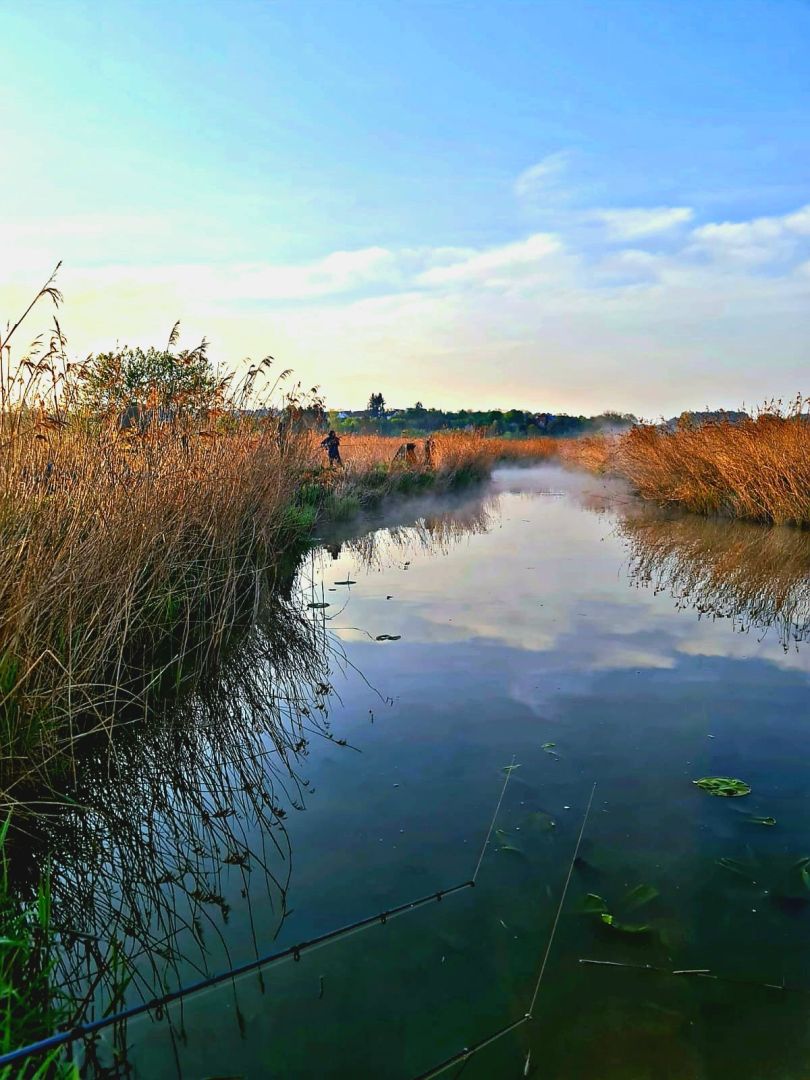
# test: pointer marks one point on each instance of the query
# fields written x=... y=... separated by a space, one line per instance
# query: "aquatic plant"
x=30 y=1006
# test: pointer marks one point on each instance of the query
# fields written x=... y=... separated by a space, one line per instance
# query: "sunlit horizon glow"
x=561 y=211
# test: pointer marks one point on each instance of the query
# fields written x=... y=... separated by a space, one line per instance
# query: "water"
x=553 y=622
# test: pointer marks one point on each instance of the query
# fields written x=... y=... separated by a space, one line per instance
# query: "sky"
x=565 y=206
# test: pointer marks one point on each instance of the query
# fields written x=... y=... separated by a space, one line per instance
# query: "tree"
x=376 y=406
x=177 y=382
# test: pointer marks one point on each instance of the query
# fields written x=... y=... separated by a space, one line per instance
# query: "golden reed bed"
x=757 y=469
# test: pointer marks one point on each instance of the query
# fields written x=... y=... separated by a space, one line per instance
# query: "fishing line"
x=509 y=771
x=467 y=1052
x=157 y=1004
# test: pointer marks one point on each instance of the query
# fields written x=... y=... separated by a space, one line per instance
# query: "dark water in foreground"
x=595 y=642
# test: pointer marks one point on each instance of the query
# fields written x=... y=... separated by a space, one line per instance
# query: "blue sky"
x=556 y=205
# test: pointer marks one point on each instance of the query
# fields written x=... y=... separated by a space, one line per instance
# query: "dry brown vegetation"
x=126 y=562
x=122 y=563
x=758 y=469
x=592 y=452
x=450 y=451
x=128 y=557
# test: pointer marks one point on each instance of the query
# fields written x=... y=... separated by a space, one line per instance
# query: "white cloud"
x=758 y=240
x=632 y=223
x=495 y=266
x=799 y=222
x=340 y=272
x=537 y=178
x=563 y=320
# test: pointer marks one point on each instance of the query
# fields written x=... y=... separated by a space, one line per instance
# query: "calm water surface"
x=553 y=622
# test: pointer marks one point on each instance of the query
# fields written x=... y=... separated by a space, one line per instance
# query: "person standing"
x=332 y=444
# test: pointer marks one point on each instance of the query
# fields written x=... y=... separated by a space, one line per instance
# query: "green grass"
x=342 y=506
x=30 y=1009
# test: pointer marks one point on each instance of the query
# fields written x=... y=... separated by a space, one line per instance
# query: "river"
x=549 y=634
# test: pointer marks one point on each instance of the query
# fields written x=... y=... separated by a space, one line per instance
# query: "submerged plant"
x=636 y=898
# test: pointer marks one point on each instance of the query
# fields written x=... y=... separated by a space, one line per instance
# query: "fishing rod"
x=467 y=1052
x=294 y=952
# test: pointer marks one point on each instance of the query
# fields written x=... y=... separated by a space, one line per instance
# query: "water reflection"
x=435 y=531
x=757 y=577
x=524 y=640
x=167 y=845
x=165 y=829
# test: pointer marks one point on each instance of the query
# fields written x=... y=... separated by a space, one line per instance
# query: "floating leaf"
x=723 y=785
x=794 y=886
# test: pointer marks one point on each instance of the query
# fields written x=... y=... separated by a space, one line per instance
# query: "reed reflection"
x=158 y=832
x=436 y=530
x=757 y=577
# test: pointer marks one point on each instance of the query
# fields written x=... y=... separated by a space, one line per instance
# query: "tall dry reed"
x=593 y=452
x=126 y=556
x=757 y=469
x=129 y=553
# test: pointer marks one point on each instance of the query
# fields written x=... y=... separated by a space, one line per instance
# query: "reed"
x=130 y=554
x=592 y=452
x=757 y=469
x=375 y=468
x=30 y=1007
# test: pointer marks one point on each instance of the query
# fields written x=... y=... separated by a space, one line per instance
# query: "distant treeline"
x=519 y=423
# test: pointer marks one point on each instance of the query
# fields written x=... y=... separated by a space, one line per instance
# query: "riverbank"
x=757 y=469
x=128 y=561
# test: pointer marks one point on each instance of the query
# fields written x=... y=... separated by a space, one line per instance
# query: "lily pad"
x=724 y=786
